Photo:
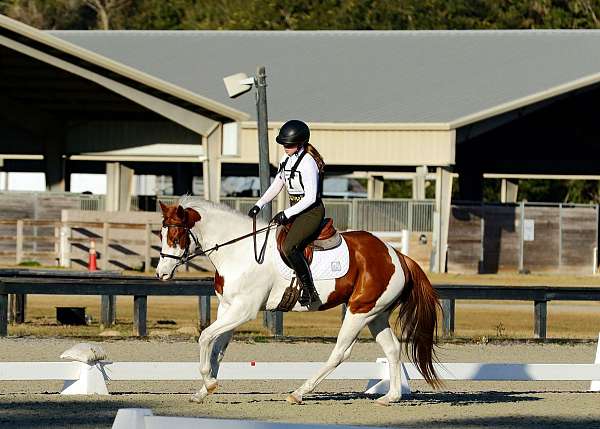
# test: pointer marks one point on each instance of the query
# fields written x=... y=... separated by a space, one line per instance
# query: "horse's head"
x=177 y=239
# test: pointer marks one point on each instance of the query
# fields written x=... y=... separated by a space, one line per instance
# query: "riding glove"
x=254 y=211
x=280 y=218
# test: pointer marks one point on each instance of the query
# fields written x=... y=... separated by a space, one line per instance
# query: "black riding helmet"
x=293 y=132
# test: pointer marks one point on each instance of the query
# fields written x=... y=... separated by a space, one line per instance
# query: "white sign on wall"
x=528 y=230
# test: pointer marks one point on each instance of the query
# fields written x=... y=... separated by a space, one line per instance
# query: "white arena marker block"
x=90 y=381
x=382 y=386
x=131 y=418
x=595 y=384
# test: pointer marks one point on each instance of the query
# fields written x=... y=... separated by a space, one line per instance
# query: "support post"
x=522 y=238
x=375 y=187
x=20 y=307
x=211 y=166
x=65 y=246
x=275 y=323
x=3 y=315
x=449 y=309
x=204 y=311
x=119 y=187
x=19 y=243
x=140 y=312
x=540 y=315
x=509 y=191
x=443 y=195
x=54 y=163
x=108 y=314
x=418 y=188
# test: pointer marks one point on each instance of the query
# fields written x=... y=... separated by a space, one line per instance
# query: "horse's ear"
x=180 y=213
x=191 y=217
x=163 y=208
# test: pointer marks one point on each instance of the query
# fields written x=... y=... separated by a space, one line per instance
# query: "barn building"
x=381 y=105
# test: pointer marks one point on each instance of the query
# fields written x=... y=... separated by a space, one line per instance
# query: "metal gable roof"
x=365 y=76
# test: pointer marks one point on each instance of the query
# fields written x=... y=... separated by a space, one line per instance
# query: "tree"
x=106 y=10
x=57 y=14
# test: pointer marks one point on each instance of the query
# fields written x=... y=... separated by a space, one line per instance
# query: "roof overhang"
x=527 y=100
x=200 y=117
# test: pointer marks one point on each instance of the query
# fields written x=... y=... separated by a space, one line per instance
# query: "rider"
x=301 y=171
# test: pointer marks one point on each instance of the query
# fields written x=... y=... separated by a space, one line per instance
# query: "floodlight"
x=238 y=84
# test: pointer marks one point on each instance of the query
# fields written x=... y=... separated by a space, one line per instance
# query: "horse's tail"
x=418 y=317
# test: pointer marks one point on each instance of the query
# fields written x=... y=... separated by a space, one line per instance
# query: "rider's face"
x=290 y=149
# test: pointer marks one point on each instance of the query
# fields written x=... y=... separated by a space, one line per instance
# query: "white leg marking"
x=233 y=316
x=218 y=351
x=385 y=337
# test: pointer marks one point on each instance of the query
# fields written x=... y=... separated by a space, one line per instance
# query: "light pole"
x=236 y=85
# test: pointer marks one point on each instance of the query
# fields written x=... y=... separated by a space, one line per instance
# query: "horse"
x=379 y=280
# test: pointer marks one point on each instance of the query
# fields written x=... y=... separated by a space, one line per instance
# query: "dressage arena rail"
x=140 y=287
x=90 y=378
x=143 y=418
x=110 y=284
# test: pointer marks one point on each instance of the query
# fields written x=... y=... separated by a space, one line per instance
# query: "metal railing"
x=372 y=215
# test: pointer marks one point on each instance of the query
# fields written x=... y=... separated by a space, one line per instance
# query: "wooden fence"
x=523 y=238
x=53 y=242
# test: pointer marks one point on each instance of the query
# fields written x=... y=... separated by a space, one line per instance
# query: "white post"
x=65 y=246
x=405 y=241
x=381 y=387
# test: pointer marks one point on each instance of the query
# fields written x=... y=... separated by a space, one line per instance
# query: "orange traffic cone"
x=92 y=258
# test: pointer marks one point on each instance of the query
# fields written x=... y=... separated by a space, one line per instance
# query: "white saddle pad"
x=326 y=264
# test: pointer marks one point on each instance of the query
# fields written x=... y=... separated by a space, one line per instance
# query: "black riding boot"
x=299 y=264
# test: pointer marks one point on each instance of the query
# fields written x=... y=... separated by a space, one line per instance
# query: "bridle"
x=185 y=257
x=259 y=257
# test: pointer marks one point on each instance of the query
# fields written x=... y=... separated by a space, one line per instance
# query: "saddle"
x=326 y=238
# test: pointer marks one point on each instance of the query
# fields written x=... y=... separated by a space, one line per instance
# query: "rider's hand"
x=280 y=218
x=254 y=211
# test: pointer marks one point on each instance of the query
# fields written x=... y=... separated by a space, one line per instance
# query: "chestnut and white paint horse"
x=379 y=280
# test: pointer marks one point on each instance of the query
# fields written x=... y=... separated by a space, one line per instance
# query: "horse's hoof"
x=291 y=399
x=198 y=398
x=211 y=389
x=386 y=401
x=382 y=403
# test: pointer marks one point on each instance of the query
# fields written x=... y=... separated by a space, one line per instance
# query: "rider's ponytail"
x=310 y=149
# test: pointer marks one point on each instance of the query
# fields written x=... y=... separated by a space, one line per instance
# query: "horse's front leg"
x=216 y=356
x=239 y=312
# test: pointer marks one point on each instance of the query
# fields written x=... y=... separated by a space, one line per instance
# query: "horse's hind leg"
x=385 y=337
x=216 y=357
x=351 y=327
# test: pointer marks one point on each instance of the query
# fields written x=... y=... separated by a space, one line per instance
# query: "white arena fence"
x=84 y=379
x=142 y=418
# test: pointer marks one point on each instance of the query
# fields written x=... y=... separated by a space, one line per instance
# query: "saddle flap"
x=327 y=238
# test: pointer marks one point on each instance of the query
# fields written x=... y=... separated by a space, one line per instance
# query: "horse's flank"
x=371 y=269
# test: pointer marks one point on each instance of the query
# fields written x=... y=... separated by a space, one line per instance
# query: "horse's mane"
x=203 y=206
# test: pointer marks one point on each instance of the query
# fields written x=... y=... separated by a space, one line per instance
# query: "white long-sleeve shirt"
x=304 y=184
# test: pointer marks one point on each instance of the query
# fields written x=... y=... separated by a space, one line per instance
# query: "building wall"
x=352 y=145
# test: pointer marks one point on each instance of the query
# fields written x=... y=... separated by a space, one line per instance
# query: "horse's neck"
x=218 y=228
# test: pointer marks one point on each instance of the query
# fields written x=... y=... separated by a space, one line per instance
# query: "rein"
x=186 y=257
